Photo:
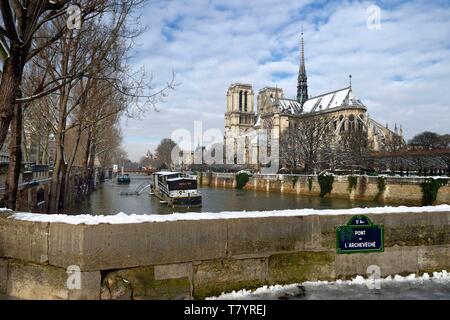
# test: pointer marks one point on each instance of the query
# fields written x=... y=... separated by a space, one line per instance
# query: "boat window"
x=182 y=184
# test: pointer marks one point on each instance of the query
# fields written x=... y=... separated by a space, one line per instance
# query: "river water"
x=109 y=199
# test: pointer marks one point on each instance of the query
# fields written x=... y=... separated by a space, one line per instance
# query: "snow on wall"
x=273 y=292
x=123 y=218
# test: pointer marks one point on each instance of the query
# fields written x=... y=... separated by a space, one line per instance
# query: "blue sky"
x=401 y=71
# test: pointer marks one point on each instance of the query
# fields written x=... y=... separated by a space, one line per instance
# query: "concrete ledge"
x=198 y=258
x=406 y=229
x=214 y=277
x=105 y=247
x=433 y=258
x=23 y=240
x=414 y=229
x=174 y=271
x=43 y=282
x=117 y=246
x=395 y=260
x=140 y=283
x=272 y=234
x=297 y=267
x=3 y=276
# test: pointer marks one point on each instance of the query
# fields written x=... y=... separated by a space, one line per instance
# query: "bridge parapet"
x=195 y=256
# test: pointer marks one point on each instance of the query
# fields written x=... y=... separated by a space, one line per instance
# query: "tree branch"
x=41 y=94
x=8 y=21
x=56 y=5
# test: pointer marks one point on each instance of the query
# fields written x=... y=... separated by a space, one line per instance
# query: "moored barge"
x=177 y=189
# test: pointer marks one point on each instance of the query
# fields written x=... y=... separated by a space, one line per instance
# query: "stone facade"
x=198 y=259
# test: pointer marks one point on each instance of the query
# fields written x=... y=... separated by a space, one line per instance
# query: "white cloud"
x=400 y=71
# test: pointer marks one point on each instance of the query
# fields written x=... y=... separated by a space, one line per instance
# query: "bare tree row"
x=68 y=87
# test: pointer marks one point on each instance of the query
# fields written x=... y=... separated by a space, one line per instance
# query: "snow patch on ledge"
x=275 y=291
x=122 y=218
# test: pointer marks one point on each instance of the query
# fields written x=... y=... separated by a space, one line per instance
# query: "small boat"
x=177 y=189
x=123 y=178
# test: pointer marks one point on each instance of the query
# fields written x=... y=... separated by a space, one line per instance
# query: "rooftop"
x=333 y=99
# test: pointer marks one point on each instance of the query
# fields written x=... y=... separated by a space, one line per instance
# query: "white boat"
x=177 y=189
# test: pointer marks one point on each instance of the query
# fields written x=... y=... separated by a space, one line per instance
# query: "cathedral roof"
x=334 y=99
x=287 y=105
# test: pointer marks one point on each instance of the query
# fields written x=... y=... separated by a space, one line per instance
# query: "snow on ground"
x=436 y=286
x=122 y=218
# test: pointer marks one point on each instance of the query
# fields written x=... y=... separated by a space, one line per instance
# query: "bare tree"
x=291 y=154
x=352 y=149
x=20 y=42
x=164 y=152
x=315 y=138
x=426 y=140
x=77 y=82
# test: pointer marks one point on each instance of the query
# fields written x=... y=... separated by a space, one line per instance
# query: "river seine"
x=109 y=199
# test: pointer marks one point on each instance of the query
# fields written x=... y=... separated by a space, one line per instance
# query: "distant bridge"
x=138 y=171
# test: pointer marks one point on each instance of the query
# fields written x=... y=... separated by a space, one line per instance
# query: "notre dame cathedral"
x=277 y=114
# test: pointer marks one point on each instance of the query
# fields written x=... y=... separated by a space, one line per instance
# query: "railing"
x=143 y=186
x=163 y=188
x=27 y=184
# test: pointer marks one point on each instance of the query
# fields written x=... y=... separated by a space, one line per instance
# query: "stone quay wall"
x=399 y=190
x=194 y=259
x=34 y=189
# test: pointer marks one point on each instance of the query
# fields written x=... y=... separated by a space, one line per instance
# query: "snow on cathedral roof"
x=287 y=105
x=335 y=99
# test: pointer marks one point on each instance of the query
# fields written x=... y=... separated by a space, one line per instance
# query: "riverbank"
x=388 y=190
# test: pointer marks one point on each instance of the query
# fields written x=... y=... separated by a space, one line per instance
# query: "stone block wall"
x=200 y=258
x=399 y=190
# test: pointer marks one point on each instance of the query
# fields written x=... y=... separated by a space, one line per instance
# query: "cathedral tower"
x=240 y=105
x=239 y=122
x=302 y=83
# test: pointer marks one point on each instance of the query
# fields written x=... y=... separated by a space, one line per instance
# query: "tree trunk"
x=92 y=165
x=86 y=159
x=62 y=186
x=60 y=161
x=45 y=154
x=9 y=84
x=15 y=160
x=54 y=185
x=70 y=166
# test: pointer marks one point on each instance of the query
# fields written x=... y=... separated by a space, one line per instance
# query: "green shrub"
x=242 y=179
x=310 y=183
x=326 y=183
x=352 y=183
x=381 y=182
x=430 y=189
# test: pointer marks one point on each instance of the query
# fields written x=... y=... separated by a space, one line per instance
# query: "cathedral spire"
x=302 y=82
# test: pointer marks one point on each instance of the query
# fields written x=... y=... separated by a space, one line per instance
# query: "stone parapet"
x=198 y=258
